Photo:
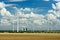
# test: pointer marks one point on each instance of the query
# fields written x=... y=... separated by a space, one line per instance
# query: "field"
x=29 y=36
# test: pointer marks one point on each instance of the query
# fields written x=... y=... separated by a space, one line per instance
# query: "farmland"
x=29 y=36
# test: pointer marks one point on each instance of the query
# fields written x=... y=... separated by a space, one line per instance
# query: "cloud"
x=57 y=0
x=28 y=9
x=56 y=9
x=58 y=5
x=51 y=16
x=39 y=22
x=5 y=22
x=46 y=0
x=2 y=5
x=31 y=19
x=9 y=5
x=53 y=6
x=28 y=17
x=15 y=0
x=4 y=12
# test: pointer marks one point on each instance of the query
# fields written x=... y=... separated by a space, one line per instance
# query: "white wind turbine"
x=17 y=25
x=13 y=21
x=17 y=16
x=13 y=26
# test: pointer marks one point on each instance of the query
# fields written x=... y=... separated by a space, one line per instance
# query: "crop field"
x=29 y=36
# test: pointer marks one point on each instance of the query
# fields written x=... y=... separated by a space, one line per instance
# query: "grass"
x=29 y=36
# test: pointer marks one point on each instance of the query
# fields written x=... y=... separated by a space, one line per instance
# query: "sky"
x=32 y=14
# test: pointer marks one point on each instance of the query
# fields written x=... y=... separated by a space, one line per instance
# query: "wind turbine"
x=13 y=26
x=13 y=21
x=18 y=25
x=17 y=17
x=18 y=22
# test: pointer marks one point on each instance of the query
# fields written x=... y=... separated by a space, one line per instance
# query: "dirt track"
x=29 y=36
